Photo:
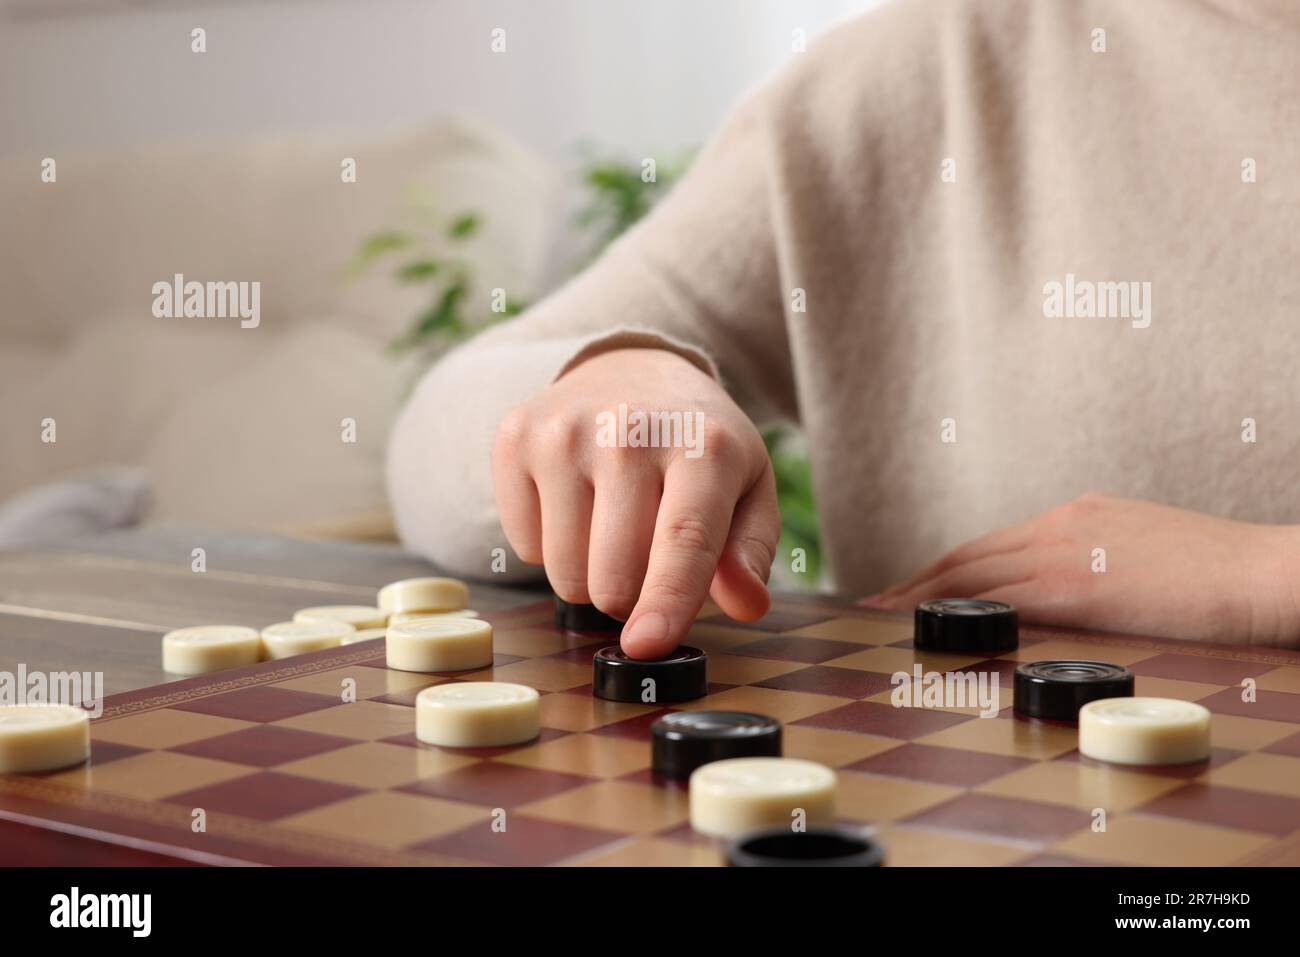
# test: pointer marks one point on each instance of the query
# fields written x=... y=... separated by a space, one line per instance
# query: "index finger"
x=690 y=532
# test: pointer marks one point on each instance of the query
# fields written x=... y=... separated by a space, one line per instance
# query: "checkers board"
x=285 y=772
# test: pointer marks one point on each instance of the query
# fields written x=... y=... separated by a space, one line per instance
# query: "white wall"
x=639 y=76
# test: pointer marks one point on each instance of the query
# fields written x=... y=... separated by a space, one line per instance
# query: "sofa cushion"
x=236 y=426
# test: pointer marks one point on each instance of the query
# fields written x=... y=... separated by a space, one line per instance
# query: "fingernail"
x=871 y=601
x=651 y=629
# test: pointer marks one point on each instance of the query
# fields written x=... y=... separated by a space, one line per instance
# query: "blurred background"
x=476 y=169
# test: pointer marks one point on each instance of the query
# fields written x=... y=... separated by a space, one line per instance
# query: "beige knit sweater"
x=951 y=188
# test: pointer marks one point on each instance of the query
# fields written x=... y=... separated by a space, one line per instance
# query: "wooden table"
x=102 y=604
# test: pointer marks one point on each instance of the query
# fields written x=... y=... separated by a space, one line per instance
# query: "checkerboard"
x=278 y=768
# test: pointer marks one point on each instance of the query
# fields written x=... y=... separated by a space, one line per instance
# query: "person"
x=991 y=258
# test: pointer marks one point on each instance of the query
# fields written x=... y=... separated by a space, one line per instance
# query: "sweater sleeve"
x=699 y=277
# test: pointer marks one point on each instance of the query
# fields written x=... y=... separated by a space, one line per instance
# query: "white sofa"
x=236 y=427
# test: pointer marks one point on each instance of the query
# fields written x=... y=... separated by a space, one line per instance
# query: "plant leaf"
x=377 y=244
x=418 y=270
x=464 y=226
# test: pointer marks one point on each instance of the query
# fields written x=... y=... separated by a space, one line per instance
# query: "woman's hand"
x=1167 y=572
x=644 y=533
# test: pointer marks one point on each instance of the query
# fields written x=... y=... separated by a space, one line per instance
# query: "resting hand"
x=1168 y=572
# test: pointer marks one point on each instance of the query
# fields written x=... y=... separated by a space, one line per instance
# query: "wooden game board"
x=287 y=773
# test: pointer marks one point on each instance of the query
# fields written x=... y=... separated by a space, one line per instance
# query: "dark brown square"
x=404 y=698
x=1004 y=668
x=1289 y=745
x=265 y=795
x=870 y=717
x=1228 y=807
x=1215 y=671
x=987 y=814
x=924 y=762
x=102 y=752
x=810 y=651
x=497 y=785
x=638 y=728
x=260 y=704
x=822 y=679
x=264 y=745
x=1269 y=705
x=526 y=842
x=1190 y=667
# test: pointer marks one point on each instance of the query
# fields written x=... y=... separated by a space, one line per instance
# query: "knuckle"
x=559 y=436
x=671 y=590
x=689 y=532
x=721 y=443
x=616 y=457
x=512 y=430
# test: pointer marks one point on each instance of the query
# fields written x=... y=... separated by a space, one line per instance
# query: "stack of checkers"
x=203 y=649
x=424 y=621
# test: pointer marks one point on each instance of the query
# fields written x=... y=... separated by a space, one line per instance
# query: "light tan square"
x=1017 y=739
x=1286 y=678
x=871 y=798
x=597 y=756
x=1082 y=786
x=861 y=631
x=1161 y=842
x=370 y=682
x=654 y=852
x=889 y=660
x=785 y=706
x=1148 y=687
x=1270 y=773
x=1247 y=734
x=165 y=728
x=544 y=674
x=832 y=748
x=153 y=775
x=615 y=806
x=1062 y=648
x=536 y=642
x=739 y=670
x=375 y=764
x=363 y=720
x=921 y=847
x=386 y=818
x=582 y=712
